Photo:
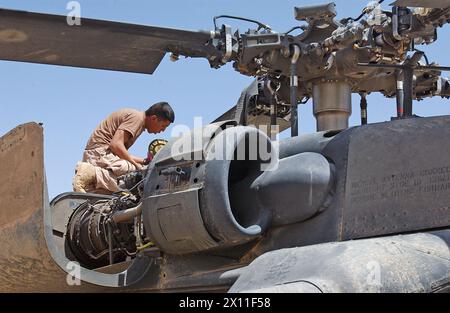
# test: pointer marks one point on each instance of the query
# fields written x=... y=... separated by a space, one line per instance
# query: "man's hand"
x=138 y=166
x=117 y=147
x=138 y=160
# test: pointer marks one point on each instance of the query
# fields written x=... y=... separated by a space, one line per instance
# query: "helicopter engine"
x=229 y=189
x=91 y=233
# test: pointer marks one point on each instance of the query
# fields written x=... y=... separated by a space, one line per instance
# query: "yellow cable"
x=149 y=244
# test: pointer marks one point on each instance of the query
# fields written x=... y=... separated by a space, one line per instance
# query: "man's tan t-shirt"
x=129 y=120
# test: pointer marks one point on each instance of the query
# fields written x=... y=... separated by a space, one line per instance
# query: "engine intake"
x=233 y=193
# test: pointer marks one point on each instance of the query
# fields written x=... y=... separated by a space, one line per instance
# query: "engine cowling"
x=227 y=188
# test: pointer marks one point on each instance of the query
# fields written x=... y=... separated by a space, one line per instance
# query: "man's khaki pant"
x=108 y=167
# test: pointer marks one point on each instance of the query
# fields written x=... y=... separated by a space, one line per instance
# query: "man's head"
x=158 y=117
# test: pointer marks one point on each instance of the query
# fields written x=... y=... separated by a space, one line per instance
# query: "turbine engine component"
x=92 y=234
x=227 y=196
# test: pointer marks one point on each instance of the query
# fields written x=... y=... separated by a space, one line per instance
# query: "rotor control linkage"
x=408 y=82
x=405 y=80
x=399 y=92
x=293 y=91
x=271 y=89
x=363 y=105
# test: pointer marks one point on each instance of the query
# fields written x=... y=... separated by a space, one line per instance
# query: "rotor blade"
x=397 y=66
x=48 y=39
x=434 y=68
x=415 y=68
x=438 y=4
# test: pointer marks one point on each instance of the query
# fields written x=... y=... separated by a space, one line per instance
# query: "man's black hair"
x=162 y=110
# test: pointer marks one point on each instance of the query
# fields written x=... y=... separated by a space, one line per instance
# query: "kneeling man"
x=106 y=155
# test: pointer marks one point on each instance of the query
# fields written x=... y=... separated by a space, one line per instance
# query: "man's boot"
x=85 y=178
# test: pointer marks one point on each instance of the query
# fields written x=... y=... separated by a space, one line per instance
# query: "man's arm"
x=117 y=147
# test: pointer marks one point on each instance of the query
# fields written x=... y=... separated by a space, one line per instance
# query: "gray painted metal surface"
x=397 y=177
x=410 y=263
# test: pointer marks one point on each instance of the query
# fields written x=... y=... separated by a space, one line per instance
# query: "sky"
x=71 y=102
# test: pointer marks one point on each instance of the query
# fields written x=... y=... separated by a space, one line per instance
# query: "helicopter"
x=318 y=213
